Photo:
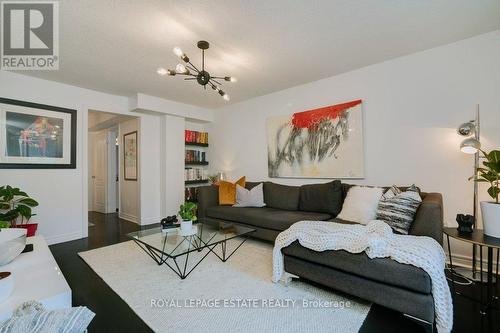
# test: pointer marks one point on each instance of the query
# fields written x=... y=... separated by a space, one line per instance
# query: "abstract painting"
x=320 y=143
x=130 y=156
x=36 y=136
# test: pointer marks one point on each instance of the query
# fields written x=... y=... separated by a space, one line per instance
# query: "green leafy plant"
x=490 y=173
x=15 y=205
x=187 y=211
x=4 y=224
x=213 y=178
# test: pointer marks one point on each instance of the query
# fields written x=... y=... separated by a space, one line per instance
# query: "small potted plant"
x=490 y=174
x=16 y=209
x=187 y=212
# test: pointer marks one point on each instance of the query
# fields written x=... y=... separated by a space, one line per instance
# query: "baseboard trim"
x=466 y=261
x=128 y=217
x=56 y=239
x=150 y=220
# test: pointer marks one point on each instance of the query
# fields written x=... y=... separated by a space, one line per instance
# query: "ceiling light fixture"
x=200 y=75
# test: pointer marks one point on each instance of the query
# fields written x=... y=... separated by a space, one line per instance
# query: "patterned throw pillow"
x=398 y=209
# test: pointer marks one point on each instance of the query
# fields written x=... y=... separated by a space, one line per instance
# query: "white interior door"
x=112 y=176
x=99 y=172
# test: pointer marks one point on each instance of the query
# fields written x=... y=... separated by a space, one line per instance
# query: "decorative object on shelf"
x=12 y=243
x=16 y=209
x=193 y=73
x=6 y=285
x=130 y=156
x=187 y=212
x=465 y=223
x=320 y=143
x=490 y=173
x=37 y=136
x=169 y=222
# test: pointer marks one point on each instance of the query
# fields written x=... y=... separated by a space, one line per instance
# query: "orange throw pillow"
x=227 y=191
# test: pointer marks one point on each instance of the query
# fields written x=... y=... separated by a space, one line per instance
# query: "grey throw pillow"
x=398 y=209
x=249 y=198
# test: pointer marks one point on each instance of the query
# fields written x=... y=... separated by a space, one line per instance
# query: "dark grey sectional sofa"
x=401 y=287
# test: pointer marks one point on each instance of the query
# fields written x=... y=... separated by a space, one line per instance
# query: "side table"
x=477 y=237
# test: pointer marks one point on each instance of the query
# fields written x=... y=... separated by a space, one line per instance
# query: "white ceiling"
x=116 y=46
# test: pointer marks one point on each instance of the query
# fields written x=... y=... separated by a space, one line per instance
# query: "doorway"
x=107 y=189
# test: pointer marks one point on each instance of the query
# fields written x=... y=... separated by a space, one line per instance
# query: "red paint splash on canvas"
x=308 y=119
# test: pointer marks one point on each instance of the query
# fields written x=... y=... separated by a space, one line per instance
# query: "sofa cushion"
x=281 y=196
x=227 y=191
x=321 y=198
x=269 y=218
x=382 y=270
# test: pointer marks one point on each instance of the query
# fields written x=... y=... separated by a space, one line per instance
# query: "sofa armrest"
x=429 y=218
x=208 y=196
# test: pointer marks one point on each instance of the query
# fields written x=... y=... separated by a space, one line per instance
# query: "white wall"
x=130 y=189
x=62 y=214
x=172 y=170
x=412 y=106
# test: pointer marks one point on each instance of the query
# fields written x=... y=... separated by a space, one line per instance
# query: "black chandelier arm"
x=192 y=68
x=212 y=79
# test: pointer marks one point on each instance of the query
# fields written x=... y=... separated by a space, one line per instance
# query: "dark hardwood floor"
x=114 y=315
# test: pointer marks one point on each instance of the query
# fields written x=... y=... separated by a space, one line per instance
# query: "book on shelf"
x=192 y=155
x=195 y=174
x=191 y=194
x=195 y=137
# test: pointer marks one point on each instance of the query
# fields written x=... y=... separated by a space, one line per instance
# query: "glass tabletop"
x=175 y=243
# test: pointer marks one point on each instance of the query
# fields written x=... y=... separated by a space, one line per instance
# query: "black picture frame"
x=73 y=115
x=135 y=134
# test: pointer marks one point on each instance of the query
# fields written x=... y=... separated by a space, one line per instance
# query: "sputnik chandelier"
x=193 y=73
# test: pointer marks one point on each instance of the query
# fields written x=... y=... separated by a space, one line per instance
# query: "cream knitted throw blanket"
x=377 y=240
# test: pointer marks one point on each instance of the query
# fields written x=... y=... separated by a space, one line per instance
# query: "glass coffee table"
x=173 y=248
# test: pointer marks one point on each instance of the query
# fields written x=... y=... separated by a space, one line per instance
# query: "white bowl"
x=12 y=243
x=6 y=285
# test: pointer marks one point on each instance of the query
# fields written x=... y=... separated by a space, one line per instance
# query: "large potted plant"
x=16 y=209
x=490 y=173
x=187 y=212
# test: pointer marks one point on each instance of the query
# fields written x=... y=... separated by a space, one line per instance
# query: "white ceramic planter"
x=186 y=225
x=491 y=218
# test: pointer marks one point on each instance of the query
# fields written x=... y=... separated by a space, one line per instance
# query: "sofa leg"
x=287 y=278
x=428 y=327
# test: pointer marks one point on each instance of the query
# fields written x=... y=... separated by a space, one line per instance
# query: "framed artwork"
x=130 y=156
x=36 y=136
x=320 y=143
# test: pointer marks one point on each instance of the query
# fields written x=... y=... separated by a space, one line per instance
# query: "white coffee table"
x=36 y=277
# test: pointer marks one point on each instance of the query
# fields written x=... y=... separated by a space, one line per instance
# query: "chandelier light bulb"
x=226 y=97
x=162 y=71
x=178 y=52
x=230 y=78
x=171 y=72
x=180 y=68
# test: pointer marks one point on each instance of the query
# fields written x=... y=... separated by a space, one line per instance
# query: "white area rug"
x=235 y=296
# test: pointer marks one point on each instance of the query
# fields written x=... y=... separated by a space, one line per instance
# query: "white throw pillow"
x=360 y=204
x=250 y=198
